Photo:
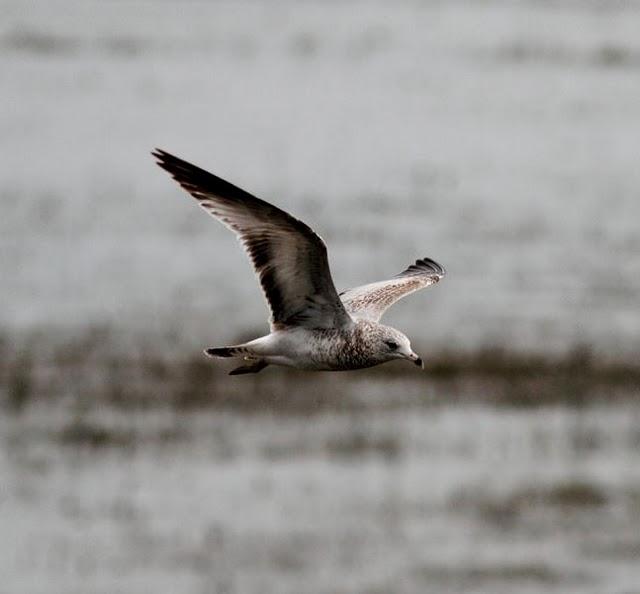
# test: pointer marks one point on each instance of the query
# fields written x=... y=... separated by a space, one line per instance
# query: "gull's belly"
x=304 y=349
x=320 y=350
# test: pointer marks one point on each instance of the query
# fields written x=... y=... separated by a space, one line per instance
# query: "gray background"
x=499 y=138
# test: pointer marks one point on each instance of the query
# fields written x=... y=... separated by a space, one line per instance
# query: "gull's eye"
x=392 y=345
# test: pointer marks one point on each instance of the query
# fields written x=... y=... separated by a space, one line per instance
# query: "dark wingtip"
x=190 y=177
x=423 y=265
x=163 y=159
x=431 y=264
x=158 y=153
x=196 y=180
x=166 y=160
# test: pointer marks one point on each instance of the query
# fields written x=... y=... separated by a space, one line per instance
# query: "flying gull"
x=313 y=327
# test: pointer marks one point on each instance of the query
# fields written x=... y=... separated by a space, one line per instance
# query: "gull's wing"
x=370 y=301
x=289 y=258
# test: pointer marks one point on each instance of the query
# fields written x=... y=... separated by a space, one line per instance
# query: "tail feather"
x=254 y=363
x=224 y=352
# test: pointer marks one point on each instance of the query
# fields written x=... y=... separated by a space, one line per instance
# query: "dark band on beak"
x=419 y=362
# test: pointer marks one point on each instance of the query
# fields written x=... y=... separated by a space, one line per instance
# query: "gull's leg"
x=252 y=367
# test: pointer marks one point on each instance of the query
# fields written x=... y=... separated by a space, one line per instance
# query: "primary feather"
x=289 y=259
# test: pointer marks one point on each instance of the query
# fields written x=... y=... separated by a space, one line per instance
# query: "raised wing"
x=290 y=260
x=371 y=301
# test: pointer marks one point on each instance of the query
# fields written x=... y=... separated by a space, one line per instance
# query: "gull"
x=313 y=327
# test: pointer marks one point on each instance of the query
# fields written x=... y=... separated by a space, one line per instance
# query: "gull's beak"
x=416 y=360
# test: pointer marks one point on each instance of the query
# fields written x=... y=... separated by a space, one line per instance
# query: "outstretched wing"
x=290 y=260
x=371 y=301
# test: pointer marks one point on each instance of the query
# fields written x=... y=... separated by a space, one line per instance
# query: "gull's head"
x=393 y=344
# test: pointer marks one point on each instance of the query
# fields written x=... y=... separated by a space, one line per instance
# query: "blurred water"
x=443 y=500
x=498 y=138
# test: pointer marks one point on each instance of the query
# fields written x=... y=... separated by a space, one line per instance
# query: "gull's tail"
x=254 y=364
x=230 y=351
